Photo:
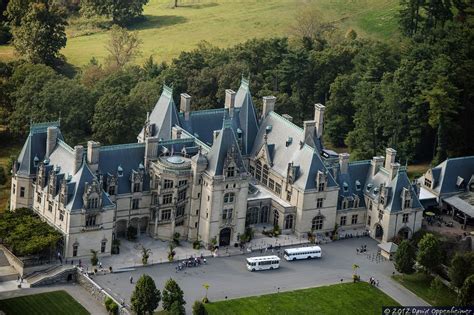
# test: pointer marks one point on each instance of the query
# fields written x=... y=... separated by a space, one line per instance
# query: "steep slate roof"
x=356 y=173
x=164 y=116
x=78 y=181
x=279 y=130
x=446 y=173
x=247 y=116
x=202 y=124
x=63 y=156
x=34 y=147
x=218 y=152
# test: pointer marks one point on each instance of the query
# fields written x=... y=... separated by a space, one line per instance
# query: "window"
x=427 y=182
x=195 y=225
x=342 y=221
x=230 y=171
x=407 y=203
x=288 y=196
x=354 y=219
x=136 y=187
x=14 y=188
x=278 y=189
x=167 y=184
x=321 y=186
x=258 y=174
x=165 y=215
x=382 y=200
x=368 y=220
x=317 y=223
x=135 y=203
x=276 y=217
x=356 y=202
x=345 y=187
x=229 y=198
x=319 y=203
x=102 y=246
x=50 y=206
x=357 y=185
x=252 y=170
x=154 y=199
x=180 y=211
x=271 y=184
x=75 y=247
x=405 y=217
x=38 y=198
x=93 y=203
x=111 y=190
x=61 y=215
x=380 y=214
x=167 y=199
x=22 y=191
x=265 y=175
x=289 y=221
x=91 y=219
x=179 y=223
x=227 y=214
x=344 y=203
x=182 y=183
x=182 y=195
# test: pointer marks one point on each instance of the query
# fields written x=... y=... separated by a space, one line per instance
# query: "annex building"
x=207 y=175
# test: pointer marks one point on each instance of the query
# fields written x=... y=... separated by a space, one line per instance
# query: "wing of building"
x=207 y=175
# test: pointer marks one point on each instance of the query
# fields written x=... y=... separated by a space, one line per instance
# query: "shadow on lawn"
x=157 y=21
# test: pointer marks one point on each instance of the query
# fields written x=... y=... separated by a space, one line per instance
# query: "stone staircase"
x=7 y=272
x=62 y=273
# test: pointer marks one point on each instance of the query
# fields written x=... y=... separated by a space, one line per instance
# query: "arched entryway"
x=224 y=237
x=121 y=228
x=404 y=233
x=378 y=231
x=143 y=224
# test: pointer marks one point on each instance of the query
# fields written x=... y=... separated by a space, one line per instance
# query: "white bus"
x=302 y=253
x=263 y=263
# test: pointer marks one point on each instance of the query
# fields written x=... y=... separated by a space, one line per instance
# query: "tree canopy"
x=145 y=297
x=405 y=257
x=173 y=297
x=429 y=252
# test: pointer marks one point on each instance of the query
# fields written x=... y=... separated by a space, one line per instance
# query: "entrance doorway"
x=378 y=231
x=224 y=237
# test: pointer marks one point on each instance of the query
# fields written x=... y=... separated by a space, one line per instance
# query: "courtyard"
x=229 y=279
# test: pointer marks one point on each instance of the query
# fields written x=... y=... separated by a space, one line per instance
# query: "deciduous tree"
x=146 y=297
x=172 y=294
x=405 y=257
x=429 y=252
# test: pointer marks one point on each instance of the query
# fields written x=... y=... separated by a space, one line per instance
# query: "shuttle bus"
x=302 y=253
x=263 y=263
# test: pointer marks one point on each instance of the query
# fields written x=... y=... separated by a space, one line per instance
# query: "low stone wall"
x=19 y=266
x=96 y=291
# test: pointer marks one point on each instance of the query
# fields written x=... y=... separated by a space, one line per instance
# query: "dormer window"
x=119 y=171
x=93 y=203
x=344 y=203
x=428 y=182
x=460 y=182
x=407 y=204
x=369 y=187
x=356 y=202
x=289 y=141
x=382 y=200
x=321 y=181
x=345 y=187
x=230 y=172
x=111 y=190
x=136 y=187
x=357 y=185
x=36 y=161
x=406 y=198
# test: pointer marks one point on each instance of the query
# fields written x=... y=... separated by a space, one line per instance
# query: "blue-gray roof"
x=202 y=124
x=348 y=183
x=247 y=117
x=446 y=173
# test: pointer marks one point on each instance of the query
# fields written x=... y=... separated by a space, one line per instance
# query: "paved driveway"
x=228 y=277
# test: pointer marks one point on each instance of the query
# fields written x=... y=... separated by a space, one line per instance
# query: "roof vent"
x=301 y=145
x=369 y=186
x=119 y=171
x=36 y=161
x=46 y=161
x=140 y=166
x=268 y=128
x=289 y=141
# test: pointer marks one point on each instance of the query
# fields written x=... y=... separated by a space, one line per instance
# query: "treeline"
x=415 y=96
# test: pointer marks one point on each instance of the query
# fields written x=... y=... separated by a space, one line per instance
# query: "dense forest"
x=414 y=94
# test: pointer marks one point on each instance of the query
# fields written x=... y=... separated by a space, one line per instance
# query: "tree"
x=3 y=176
x=199 y=309
x=405 y=257
x=436 y=287
x=145 y=297
x=145 y=255
x=311 y=24
x=111 y=306
x=94 y=259
x=172 y=294
x=466 y=294
x=206 y=286
x=429 y=252
x=121 y=12
x=41 y=33
x=122 y=46
x=177 y=309
x=16 y=10
x=462 y=266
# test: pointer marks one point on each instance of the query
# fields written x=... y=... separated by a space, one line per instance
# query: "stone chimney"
x=268 y=105
x=93 y=149
x=230 y=101
x=344 y=162
x=215 y=135
x=78 y=156
x=309 y=130
x=151 y=149
x=319 y=118
x=390 y=165
x=377 y=163
x=185 y=105
x=51 y=138
x=287 y=117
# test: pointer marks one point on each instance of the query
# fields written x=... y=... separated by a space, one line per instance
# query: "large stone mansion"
x=207 y=175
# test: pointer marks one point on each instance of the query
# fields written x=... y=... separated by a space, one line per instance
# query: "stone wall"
x=19 y=266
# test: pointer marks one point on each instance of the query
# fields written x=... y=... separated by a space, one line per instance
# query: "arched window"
x=289 y=221
x=317 y=223
x=265 y=175
x=258 y=173
x=276 y=217
x=229 y=198
x=264 y=214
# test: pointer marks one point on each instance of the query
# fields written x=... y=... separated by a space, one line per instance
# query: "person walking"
x=131 y=279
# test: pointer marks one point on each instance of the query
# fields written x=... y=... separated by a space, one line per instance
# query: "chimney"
x=377 y=163
x=230 y=101
x=268 y=105
x=93 y=154
x=287 y=117
x=216 y=134
x=151 y=149
x=52 y=137
x=309 y=129
x=185 y=105
x=175 y=133
x=344 y=162
x=390 y=155
x=319 y=118
x=78 y=156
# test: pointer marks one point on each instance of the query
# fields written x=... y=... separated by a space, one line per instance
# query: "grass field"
x=348 y=298
x=50 y=303
x=420 y=283
x=166 y=31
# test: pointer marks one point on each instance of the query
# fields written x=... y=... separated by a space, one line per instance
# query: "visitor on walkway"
x=131 y=279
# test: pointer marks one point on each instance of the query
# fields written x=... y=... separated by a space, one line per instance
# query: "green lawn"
x=54 y=303
x=419 y=284
x=166 y=31
x=348 y=298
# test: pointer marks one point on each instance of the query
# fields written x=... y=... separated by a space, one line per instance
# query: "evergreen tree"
x=429 y=252
x=466 y=294
x=172 y=294
x=462 y=266
x=146 y=297
x=405 y=257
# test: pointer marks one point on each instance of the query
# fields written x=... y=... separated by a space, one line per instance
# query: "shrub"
x=94 y=259
x=176 y=237
x=199 y=309
x=111 y=306
x=197 y=244
x=3 y=176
